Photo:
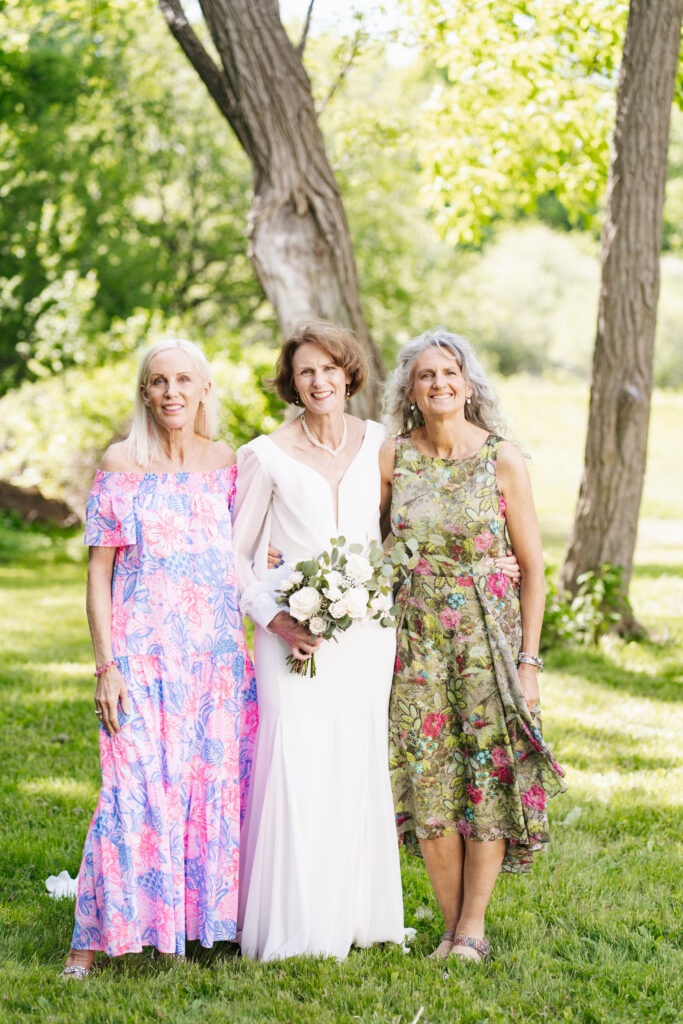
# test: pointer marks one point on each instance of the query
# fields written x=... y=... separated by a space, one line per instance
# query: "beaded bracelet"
x=524 y=658
x=103 y=668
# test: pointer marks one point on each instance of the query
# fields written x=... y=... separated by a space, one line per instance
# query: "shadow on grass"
x=599 y=669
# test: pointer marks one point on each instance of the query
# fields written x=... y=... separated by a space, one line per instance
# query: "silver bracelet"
x=524 y=658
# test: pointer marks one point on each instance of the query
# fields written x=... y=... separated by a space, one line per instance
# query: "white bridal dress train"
x=320 y=866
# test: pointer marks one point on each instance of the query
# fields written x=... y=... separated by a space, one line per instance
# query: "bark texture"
x=299 y=241
x=606 y=517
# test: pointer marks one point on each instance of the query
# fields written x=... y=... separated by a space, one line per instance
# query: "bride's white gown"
x=319 y=866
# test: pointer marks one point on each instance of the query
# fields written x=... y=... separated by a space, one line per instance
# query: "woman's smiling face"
x=321 y=383
x=439 y=386
x=174 y=389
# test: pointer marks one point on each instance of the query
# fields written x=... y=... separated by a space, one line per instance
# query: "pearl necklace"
x=319 y=444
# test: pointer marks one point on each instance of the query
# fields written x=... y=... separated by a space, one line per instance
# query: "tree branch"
x=302 y=44
x=355 y=48
x=211 y=75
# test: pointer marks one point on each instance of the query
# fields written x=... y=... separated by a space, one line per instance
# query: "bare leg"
x=444 y=862
x=482 y=864
x=80 y=958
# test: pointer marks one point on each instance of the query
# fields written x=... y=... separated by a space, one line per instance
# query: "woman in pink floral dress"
x=175 y=686
x=471 y=773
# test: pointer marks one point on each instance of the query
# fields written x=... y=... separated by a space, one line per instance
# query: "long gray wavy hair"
x=400 y=417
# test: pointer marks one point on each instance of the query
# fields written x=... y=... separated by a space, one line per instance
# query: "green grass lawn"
x=592 y=935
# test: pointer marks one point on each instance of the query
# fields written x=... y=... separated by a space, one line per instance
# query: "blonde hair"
x=143 y=442
x=401 y=416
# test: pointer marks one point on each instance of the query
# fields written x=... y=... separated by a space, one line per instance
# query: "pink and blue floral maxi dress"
x=161 y=858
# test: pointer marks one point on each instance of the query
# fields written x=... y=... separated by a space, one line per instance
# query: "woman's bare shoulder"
x=387 y=457
x=117 y=459
x=509 y=456
x=221 y=455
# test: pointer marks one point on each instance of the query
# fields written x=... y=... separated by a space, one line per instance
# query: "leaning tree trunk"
x=616 y=446
x=299 y=241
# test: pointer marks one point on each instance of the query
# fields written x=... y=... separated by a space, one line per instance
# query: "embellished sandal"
x=75 y=971
x=480 y=946
x=448 y=936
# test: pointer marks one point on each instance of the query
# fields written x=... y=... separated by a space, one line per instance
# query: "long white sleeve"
x=251 y=536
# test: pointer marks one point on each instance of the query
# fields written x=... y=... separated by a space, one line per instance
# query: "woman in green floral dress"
x=471 y=772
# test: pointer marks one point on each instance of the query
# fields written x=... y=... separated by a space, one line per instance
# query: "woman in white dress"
x=320 y=866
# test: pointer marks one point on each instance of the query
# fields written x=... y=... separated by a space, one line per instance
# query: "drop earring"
x=412 y=407
x=469 y=401
x=149 y=424
x=204 y=420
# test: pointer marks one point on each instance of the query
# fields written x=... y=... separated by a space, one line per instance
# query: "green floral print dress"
x=466 y=755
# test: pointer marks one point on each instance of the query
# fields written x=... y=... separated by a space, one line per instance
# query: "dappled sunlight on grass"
x=54 y=786
x=64 y=676
x=622 y=789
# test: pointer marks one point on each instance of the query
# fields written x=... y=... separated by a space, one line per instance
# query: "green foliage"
x=122 y=187
x=521 y=108
x=673 y=202
x=406 y=272
x=584 y=617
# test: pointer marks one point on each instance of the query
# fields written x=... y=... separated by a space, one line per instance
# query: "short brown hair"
x=341 y=345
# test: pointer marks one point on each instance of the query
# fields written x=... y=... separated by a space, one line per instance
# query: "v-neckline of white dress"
x=343 y=477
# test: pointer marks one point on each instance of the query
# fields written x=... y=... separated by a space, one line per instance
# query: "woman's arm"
x=387 y=456
x=111 y=687
x=522 y=524
x=252 y=505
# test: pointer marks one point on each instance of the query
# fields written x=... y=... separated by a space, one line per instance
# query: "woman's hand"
x=275 y=558
x=111 y=689
x=301 y=643
x=509 y=566
x=528 y=677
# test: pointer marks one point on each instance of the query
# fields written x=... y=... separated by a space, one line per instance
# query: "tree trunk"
x=606 y=517
x=299 y=241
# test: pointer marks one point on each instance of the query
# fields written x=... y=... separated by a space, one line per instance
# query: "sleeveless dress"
x=466 y=755
x=161 y=859
x=320 y=870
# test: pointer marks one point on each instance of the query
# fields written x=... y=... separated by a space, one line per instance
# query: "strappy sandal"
x=448 y=936
x=480 y=946
x=76 y=971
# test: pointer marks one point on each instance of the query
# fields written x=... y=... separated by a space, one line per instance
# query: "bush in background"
x=584 y=617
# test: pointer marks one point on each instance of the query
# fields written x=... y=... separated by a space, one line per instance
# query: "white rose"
x=292 y=581
x=338 y=609
x=304 y=603
x=358 y=568
x=334 y=578
x=356 y=602
x=317 y=625
x=332 y=593
x=381 y=603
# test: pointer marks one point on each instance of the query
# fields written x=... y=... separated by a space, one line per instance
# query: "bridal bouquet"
x=342 y=586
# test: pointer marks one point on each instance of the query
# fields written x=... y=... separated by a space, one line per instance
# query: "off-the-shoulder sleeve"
x=251 y=535
x=109 y=518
